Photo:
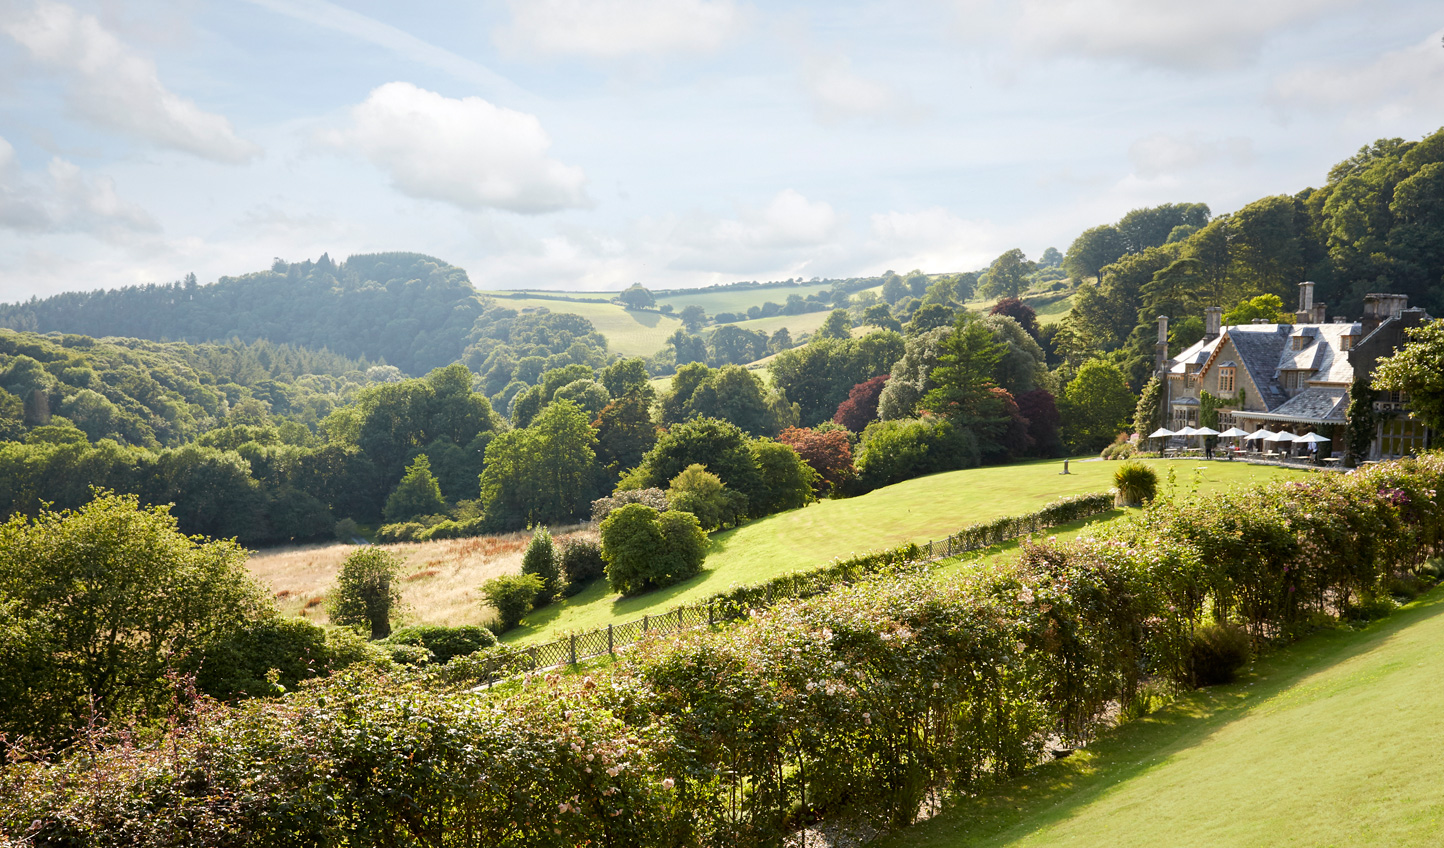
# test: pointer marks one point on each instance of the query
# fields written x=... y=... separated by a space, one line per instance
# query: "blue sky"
x=594 y=143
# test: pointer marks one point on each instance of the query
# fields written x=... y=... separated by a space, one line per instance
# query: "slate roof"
x=1322 y=404
x=1261 y=346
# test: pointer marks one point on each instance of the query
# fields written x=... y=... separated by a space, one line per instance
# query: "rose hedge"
x=858 y=702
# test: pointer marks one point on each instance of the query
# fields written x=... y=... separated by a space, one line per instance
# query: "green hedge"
x=857 y=702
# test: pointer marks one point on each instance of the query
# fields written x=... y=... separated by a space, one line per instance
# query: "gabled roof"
x=1317 y=404
x=1260 y=346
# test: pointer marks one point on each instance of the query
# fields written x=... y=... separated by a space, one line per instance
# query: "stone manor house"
x=1294 y=377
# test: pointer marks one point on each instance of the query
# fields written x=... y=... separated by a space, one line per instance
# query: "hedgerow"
x=858 y=702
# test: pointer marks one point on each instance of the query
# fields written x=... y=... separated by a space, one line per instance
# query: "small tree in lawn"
x=512 y=596
x=366 y=593
x=541 y=559
x=417 y=494
x=645 y=549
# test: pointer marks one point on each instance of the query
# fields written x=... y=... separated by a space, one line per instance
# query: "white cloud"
x=933 y=239
x=614 y=29
x=115 y=86
x=1218 y=34
x=1398 y=84
x=467 y=152
x=1162 y=154
x=64 y=199
x=789 y=229
x=838 y=92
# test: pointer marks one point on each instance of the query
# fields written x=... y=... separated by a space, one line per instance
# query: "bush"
x=347 y=530
x=1136 y=482
x=654 y=498
x=645 y=549
x=541 y=559
x=581 y=562
x=512 y=596
x=366 y=592
x=701 y=493
x=1119 y=450
x=1217 y=652
x=408 y=531
x=893 y=451
x=443 y=643
x=237 y=665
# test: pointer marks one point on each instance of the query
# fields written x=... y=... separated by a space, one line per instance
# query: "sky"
x=590 y=144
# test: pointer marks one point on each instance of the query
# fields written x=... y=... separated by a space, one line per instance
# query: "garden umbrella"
x=1285 y=436
x=1160 y=433
x=1261 y=433
x=1204 y=433
x=1311 y=439
x=1233 y=433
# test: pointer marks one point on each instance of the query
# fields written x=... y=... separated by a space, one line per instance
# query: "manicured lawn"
x=1331 y=742
x=630 y=333
x=917 y=510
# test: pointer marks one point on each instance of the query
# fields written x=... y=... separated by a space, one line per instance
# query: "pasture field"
x=640 y=333
x=1051 y=307
x=737 y=300
x=915 y=510
x=601 y=296
x=1327 y=742
x=797 y=325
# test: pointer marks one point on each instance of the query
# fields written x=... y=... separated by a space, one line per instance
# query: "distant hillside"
x=410 y=310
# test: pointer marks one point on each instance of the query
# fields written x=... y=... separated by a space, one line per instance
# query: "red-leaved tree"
x=860 y=408
x=1041 y=410
x=1018 y=311
x=828 y=452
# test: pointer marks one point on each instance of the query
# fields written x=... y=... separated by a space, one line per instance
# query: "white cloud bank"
x=64 y=199
x=466 y=152
x=114 y=86
x=1396 y=84
x=615 y=29
x=839 y=93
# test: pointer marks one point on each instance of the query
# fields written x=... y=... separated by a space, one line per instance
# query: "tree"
x=1040 y=409
x=880 y=316
x=366 y=592
x=636 y=296
x=837 y=325
x=1418 y=369
x=1008 y=275
x=732 y=345
x=1093 y=250
x=828 y=452
x=1023 y=366
x=930 y=317
x=964 y=375
x=625 y=433
x=1148 y=414
x=693 y=317
x=512 y=596
x=1019 y=311
x=720 y=447
x=860 y=408
x=589 y=396
x=1268 y=307
x=702 y=493
x=626 y=375
x=417 y=494
x=687 y=348
x=540 y=559
x=1097 y=405
x=787 y=481
x=894 y=289
x=97 y=604
x=645 y=549
x=542 y=474
x=780 y=341
x=893 y=451
x=732 y=393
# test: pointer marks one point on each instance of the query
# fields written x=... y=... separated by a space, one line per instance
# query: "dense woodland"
x=387 y=390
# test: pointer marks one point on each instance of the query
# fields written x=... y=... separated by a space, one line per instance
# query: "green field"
x=797 y=325
x=602 y=296
x=737 y=300
x=1325 y=743
x=630 y=333
x=916 y=510
x=1051 y=307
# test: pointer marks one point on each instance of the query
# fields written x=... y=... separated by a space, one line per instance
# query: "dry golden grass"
x=440 y=581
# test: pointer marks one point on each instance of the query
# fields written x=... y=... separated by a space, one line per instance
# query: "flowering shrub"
x=859 y=700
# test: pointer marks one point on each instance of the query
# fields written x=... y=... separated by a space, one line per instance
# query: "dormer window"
x=1300 y=342
x=1346 y=342
x=1225 y=379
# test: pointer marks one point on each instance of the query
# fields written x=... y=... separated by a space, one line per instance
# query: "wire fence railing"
x=738 y=602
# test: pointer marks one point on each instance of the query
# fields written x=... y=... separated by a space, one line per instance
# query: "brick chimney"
x=1212 y=321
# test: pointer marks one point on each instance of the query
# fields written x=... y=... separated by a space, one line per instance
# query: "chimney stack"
x=1320 y=314
x=1212 y=320
x=1306 y=303
x=1161 y=349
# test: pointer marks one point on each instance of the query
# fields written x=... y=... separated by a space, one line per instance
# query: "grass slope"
x=737 y=300
x=916 y=510
x=639 y=333
x=1328 y=742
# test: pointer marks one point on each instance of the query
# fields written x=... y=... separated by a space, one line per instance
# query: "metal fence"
x=578 y=647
